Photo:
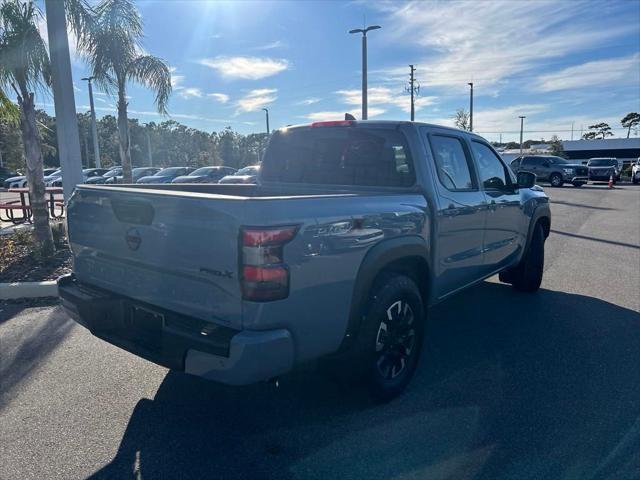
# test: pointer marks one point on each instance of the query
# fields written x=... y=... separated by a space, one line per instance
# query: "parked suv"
x=555 y=170
x=602 y=169
x=635 y=171
x=352 y=230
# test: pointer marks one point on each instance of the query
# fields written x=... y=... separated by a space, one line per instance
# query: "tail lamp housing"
x=265 y=275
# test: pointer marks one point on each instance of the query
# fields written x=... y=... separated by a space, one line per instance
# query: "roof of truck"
x=342 y=122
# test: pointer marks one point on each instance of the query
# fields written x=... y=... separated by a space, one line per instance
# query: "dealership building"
x=625 y=149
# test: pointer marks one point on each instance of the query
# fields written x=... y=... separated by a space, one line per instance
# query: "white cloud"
x=256 y=99
x=489 y=42
x=219 y=97
x=308 y=101
x=600 y=72
x=384 y=96
x=251 y=68
x=272 y=45
x=190 y=92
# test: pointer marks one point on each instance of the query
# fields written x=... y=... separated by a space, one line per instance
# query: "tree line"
x=171 y=144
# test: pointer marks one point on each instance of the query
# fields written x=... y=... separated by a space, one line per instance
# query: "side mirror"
x=526 y=179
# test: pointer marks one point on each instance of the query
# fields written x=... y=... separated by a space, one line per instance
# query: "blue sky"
x=557 y=62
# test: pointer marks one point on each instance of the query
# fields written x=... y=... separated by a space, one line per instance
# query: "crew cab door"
x=461 y=214
x=505 y=217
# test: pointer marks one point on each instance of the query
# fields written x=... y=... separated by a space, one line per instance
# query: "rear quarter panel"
x=334 y=236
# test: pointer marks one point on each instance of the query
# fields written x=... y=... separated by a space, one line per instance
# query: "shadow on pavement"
x=510 y=386
x=36 y=343
x=580 y=205
x=594 y=239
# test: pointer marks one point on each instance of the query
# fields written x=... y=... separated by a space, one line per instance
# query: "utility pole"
x=149 y=154
x=94 y=128
x=471 y=107
x=500 y=139
x=521 y=117
x=63 y=97
x=364 y=65
x=413 y=90
x=266 y=111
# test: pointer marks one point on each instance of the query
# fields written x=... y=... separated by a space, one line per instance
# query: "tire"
x=634 y=180
x=387 y=348
x=556 y=180
x=527 y=276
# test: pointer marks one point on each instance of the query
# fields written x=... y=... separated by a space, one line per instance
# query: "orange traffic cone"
x=610 y=181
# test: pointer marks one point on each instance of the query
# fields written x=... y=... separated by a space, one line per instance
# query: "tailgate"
x=175 y=250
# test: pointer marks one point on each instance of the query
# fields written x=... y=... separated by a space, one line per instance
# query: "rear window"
x=604 y=162
x=339 y=156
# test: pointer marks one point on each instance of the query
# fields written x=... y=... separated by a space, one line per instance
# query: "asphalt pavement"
x=510 y=386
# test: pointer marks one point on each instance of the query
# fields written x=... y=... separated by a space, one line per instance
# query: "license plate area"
x=146 y=327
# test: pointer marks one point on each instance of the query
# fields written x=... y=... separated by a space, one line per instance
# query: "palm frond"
x=24 y=59
x=81 y=19
x=9 y=111
x=154 y=73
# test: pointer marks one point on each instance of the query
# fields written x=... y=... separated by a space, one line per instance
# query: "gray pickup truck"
x=353 y=230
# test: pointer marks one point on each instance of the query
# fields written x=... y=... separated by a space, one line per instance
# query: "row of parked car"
x=97 y=176
x=558 y=171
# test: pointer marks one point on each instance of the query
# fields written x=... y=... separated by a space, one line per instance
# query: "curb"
x=11 y=291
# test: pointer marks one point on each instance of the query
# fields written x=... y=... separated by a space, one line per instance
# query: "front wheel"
x=556 y=180
x=388 y=346
x=527 y=275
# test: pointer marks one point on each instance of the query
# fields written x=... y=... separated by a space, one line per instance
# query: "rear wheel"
x=388 y=345
x=556 y=180
x=527 y=276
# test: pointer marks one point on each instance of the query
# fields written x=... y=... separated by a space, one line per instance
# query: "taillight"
x=265 y=276
x=333 y=123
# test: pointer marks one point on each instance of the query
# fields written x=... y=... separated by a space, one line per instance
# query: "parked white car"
x=21 y=180
x=635 y=171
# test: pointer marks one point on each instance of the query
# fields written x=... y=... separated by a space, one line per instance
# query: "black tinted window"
x=492 y=172
x=532 y=161
x=452 y=163
x=339 y=156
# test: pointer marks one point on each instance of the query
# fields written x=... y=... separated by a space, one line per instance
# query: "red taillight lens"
x=262 y=237
x=265 y=283
x=333 y=123
x=265 y=276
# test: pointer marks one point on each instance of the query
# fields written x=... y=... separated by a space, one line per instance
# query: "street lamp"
x=364 y=65
x=522 y=117
x=266 y=110
x=94 y=128
x=471 y=107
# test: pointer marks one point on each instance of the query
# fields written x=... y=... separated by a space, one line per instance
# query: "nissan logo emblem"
x=133 y=239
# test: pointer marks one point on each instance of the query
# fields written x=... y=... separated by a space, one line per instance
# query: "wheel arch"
x=406 y=255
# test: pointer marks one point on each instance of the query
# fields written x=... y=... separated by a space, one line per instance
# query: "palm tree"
x=24 y=67
x=115 y=55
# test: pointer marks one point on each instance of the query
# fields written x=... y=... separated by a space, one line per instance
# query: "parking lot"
x=510 y=386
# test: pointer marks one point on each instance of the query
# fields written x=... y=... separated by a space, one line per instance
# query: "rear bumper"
x=183 y=343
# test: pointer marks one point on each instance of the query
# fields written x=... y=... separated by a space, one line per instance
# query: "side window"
x=492 y=172
x=452 y=163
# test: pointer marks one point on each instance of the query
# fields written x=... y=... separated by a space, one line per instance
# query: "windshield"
x=248 y=171
x=602 y=162
x=114 y=172
x=339 y=156
x=204 y=171
x=169 y=171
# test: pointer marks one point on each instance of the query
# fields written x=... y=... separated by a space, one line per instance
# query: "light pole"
x=521 y=117
x=149 y=154
x=266 y=110
x=471 y=107
x=63 y=97
x=94 y=127
x=364 y=65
